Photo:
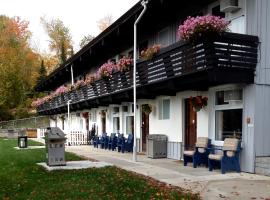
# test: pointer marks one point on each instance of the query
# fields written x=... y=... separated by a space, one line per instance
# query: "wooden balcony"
x=228 y=58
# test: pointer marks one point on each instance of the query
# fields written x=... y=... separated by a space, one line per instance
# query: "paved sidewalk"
x=211 y=185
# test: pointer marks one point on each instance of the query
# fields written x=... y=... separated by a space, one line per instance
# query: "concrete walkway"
x=210 y=185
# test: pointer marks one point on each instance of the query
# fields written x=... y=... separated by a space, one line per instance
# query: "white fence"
x=41 y=133
x=74 y=138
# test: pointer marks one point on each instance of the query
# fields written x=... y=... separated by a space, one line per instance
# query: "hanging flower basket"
x=198 y=102
x=102 y=113
x=85 y=115
x=147 y=109
x=63 y=117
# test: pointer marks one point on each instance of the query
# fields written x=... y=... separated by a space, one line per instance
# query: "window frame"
x=232 y=105
x=161 y=109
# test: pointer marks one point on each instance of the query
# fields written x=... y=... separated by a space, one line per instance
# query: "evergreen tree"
x=42 y=73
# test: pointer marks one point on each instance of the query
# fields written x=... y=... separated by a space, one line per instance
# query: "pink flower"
x=150 y=52
x=195 y=25
x=106 y=70
x=124 y=64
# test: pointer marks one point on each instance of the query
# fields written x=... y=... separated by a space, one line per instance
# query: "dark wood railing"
x=229 y=51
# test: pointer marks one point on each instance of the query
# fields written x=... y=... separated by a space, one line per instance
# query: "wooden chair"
x=229 y=159
x=200 y=154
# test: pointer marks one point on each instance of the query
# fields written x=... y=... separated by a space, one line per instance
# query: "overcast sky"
x=80 y=16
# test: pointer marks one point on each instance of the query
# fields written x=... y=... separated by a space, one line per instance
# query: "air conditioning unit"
x=233 y=95
x=229 y=6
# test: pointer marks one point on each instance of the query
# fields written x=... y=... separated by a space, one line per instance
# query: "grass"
x=21 y=178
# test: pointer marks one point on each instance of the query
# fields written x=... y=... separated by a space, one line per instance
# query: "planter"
x=146 y=109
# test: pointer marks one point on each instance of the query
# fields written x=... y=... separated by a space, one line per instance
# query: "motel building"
x=229 y=72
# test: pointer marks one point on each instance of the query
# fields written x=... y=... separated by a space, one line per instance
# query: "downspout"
x=68 y=107
x=72 y=77
x=144 y=4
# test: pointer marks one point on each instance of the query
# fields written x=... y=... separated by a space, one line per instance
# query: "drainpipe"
x=144 y=4
x=68 y=107
x=72 y=77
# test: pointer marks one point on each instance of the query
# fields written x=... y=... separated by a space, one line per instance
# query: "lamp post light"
x=144 y=4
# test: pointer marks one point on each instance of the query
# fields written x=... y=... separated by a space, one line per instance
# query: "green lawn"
x=21 y=178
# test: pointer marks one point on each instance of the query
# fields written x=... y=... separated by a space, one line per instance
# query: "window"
x=125 y=108
x=93 y=116
x=229 y=124
x=129 y=124
x=164 y=109
x=228 y=114
x=116 y=124
x=164 y=37
x=115 y=110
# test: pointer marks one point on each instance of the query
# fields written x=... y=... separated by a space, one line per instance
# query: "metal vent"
x=229 y=5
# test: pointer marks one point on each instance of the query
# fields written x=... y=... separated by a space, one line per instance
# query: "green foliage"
x=5 y=114
x=85 y=40
x=60 y=38
x=21 y=178
x=18 y=65
x=42 y=73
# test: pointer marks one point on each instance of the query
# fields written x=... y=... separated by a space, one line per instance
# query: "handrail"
x=227 y=50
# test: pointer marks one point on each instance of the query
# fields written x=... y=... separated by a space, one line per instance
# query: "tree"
x=18 y=64
x=85 y=40
x=50 y=62
x=104 y=22
x=60 y=38
x=42 y=73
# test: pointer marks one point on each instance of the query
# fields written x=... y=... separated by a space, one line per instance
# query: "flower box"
x=207 y=26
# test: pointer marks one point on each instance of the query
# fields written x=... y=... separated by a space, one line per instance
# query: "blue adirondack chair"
x=96 y=141
x=229 y=159
x=112 y=142
x=104 y=141
x=121 y=143
x=129 y=143
x=200 y=154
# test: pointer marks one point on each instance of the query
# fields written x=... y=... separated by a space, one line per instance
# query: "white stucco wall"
x=174 y=127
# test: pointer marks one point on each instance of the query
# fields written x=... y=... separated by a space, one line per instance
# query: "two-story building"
x=231 y=70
